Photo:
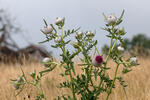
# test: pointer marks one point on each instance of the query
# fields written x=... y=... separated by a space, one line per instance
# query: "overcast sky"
x=86 y=14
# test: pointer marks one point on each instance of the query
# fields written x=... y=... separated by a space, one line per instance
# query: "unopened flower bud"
x=79 y=34
x=75 y=44
x=45 y=61
x=111 y=19
x=58 y=39
x=32 y=74
x=16 y=85
x=97 y=61
x=121 y=31
x=47 y=29
x=134 y=60
x=90 y=34
x=59 y=20
x=19 y=79
x=120 y=48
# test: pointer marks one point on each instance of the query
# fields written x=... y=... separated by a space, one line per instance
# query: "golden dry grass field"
x=138 y=82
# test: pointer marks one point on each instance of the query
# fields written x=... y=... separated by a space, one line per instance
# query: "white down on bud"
x=134 y=60
x=59 y=20
x=120 y=48
x=58 y=39
x=47 y=29
x=46 y=60
x=111 y=18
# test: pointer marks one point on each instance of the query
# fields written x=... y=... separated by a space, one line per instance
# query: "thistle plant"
x=94 y=79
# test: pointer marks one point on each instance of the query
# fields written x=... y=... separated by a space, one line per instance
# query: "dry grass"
x=138 y=83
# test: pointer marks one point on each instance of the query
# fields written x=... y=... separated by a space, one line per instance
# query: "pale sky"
x=86 y=14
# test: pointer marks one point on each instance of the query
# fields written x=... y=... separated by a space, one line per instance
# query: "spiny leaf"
x=45 y=22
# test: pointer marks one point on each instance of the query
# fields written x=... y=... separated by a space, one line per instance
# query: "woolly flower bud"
x=47 y=29
x=16 y=85
x=120 y=48
x=79 y=35
x=121 y=31
x=46 y=60
x=97 y=61
x=134 y=60
x=75 y=44
x=59 y=20
x=111 y=19
x=90 y=34
x=32 y=74
x=58 y=39
x=19 y=79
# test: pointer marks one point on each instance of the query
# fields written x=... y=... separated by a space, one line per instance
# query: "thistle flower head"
x=75 y=44
x=79 y=35
x=120 y=48
x=46 y=60
x=19 y=79
x=111 y=19
x=32 y=74
x=134 y=60
x=47 y=30
x=58 y=39
x=90 y=34
x=97 y=61
x=16 y=85
x=59 y=20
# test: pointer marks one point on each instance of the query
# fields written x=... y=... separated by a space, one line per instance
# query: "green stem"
x=38 y=88
x=62 y=40
x=110 y=48
x=62 y=71
x=41 y=91
x=108 y=53
x=107 y=58
x=115 y=76
x=64 y=51
x=72 y=86
x=96 y=48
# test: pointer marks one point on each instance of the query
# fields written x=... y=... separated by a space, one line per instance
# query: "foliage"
x=84 y=85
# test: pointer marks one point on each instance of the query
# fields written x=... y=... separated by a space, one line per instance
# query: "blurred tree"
x=138 y=45
x=7 y=28
x=9 y=50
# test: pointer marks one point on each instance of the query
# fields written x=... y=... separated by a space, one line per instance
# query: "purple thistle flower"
x=97 y=61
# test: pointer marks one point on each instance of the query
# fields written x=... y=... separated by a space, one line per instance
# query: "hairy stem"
x=114 y=79
x=72 y=86
x=112 y=45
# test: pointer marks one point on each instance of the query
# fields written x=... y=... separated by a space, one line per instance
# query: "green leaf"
x=44 y=41
x=125 y=70
x=47 y=70
x=120 y=18
x=45 y=22
x=105 y=18
x=53 y=28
